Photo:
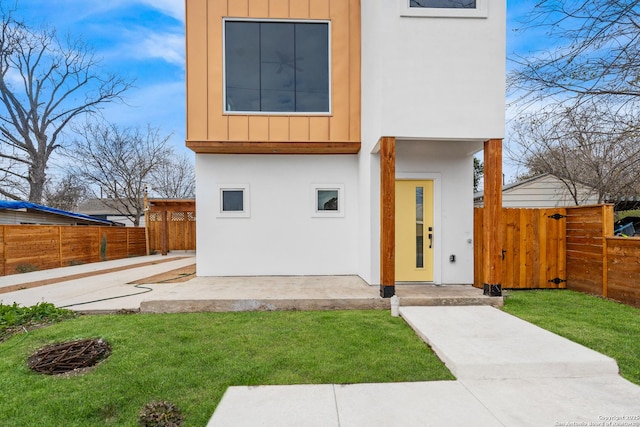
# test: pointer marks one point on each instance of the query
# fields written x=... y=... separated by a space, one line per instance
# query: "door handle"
x=430 y=238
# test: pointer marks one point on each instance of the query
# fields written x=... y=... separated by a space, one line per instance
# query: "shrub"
x=14 y=316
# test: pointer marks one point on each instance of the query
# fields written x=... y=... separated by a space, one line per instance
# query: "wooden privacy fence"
x=599 y=263
x=171 y=225
x=571 y=248
x=39 y=247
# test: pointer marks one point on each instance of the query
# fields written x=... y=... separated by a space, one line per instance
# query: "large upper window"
x=277 y=66
x=444 y=4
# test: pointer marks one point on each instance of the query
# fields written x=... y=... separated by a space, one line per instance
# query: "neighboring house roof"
x=541 y=191
x=28 y=206
x=99 y=207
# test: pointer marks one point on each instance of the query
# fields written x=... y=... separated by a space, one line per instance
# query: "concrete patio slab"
x=486 y=343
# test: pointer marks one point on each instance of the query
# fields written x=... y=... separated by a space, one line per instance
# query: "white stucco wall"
x=433 y=77
x=281 y=236
x=451 y=166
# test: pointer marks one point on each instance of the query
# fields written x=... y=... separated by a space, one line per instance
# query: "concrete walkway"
x=509 y=373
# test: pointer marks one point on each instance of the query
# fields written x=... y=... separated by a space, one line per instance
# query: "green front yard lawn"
x=191 y=359
x=602 y=325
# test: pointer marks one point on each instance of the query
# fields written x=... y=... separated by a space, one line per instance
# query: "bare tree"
x=175 y=179
x=596 y=53
x=45 y=83
x=65 y=193
x=592 y=145
x=119 y=162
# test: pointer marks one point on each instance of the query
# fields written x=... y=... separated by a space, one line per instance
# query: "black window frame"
x=417 y=4
x=296 y=56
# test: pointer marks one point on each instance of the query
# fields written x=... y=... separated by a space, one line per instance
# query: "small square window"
x=233 y=201
x=444 y=8
x=328 y=200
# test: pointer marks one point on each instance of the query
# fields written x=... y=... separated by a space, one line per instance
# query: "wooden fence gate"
x=171 y=225
x=533 y=248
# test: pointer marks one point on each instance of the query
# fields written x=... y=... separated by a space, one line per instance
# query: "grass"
x=603 y=325
x=191 y=359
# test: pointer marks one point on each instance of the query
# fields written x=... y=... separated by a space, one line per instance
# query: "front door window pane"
x=419 y=227
x=444 y=4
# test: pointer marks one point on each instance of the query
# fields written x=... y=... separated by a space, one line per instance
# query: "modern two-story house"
x=336 y=137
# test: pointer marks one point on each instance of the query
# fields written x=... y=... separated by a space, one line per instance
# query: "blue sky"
x=144 y=41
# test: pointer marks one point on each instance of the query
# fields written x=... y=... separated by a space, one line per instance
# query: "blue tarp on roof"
x=6 y=204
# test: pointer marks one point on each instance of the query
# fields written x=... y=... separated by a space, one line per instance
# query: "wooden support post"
x=387 y=216
x=165 y=233
x=492 y=220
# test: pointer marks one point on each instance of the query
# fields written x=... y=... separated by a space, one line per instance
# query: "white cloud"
x=173 y=8
x=166 y=46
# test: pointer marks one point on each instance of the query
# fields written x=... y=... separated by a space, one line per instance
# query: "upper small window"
x=444 y=8
x=444 y=4
x=276 y=66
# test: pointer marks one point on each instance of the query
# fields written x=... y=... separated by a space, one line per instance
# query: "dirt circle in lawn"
x=69 y=357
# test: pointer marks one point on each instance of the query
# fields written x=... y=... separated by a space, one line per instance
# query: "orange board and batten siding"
x=210 y=130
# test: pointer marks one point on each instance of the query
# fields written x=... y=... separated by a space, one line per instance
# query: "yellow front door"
x=414 y=231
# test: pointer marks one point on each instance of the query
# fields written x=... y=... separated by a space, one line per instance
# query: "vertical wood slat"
x=607 y=231
x=279 y=8
x=218 y=123
x=299 y=129
x=238 y=128
x=238 y=8
x=318 y=9
x=4 y=250
x=259 y=8
x=197 y=85
x=477 y=247
x=299 y=9
x=355 y=74
x=340 y=44
x=387 y=211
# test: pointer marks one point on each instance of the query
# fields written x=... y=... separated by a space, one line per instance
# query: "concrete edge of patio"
x=248 y=303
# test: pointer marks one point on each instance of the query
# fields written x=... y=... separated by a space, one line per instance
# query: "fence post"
x=607 y=231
